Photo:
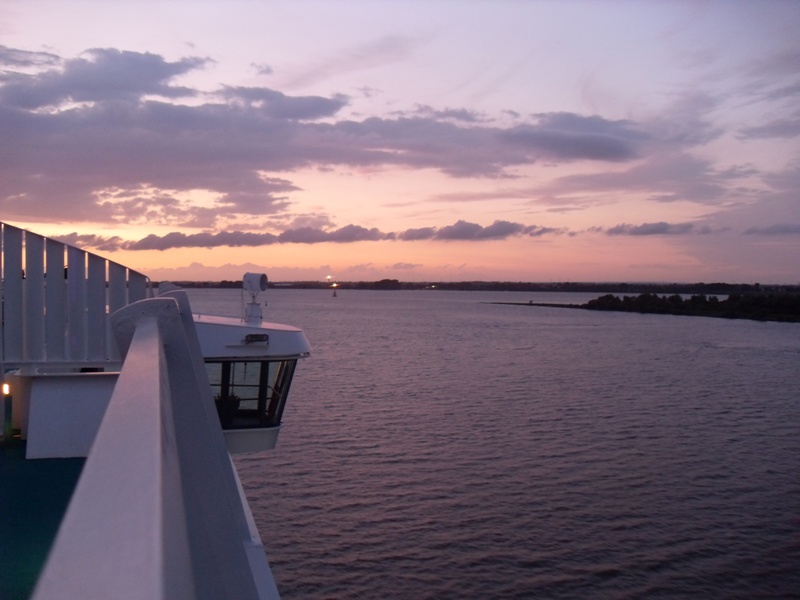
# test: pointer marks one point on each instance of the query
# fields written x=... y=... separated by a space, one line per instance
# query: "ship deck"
x=33 y=499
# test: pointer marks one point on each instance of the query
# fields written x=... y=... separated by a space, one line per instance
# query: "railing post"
x=56 y=310
x=12 y=295
x=33 y=287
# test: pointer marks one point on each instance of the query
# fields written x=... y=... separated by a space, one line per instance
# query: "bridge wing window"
x=250 y=394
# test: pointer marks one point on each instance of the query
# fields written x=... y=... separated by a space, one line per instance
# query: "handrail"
x=158 y=511
x=56 y=299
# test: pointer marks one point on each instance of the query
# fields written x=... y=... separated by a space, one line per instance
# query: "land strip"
x=783 y=307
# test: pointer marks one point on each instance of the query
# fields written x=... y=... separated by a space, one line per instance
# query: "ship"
x=121 y=411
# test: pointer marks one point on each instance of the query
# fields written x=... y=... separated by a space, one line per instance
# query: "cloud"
x=777 y=229
x=76 y=128
x=404 y=266
x=114 y=139
x=484 y=151
x=664 y=177
x=98 y=242
x=660 y=228
x=773 y=81
x=378 y=52
x=11 y=57
x=201 y=240
x=356 y=233
x=257 y=195
x=346 y=234
x=110 y=135
x=502 y=193
x=783 y=128
x=773 y=210
x=319 y=221
x=536 y=231
x=464 y=230
x=459 y=231
x=662 y=166
x=102 y=75
x=686 y=123
x=262 y=69
x=302 y=235
x=455 y=114
x=417 y=234
x=276 y=105
x=574 y=137
x=774 y=76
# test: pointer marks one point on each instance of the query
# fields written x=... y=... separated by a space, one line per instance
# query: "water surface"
x=436 y=446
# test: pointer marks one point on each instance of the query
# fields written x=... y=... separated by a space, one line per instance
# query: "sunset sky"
x=509 y=140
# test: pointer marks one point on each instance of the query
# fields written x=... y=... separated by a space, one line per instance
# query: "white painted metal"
x=260 y=439
x=12 y=296
x=76 y=294
x=58 y=412
x=55 y=312
x=158 y=511
x=64 y=411
x=111 y=543
x=116 y=287
x=137 y=286
x=96 y=309
x=254 y=282
x=55 y=300
x=226 y=337
x=34 y=297
x=256 y=554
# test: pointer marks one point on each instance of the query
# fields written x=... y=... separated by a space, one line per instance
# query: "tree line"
x=780 y=306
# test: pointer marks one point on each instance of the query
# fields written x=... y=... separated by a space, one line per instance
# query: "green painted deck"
x=33 y=498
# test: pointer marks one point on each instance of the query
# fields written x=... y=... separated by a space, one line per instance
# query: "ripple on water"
x=436 y=447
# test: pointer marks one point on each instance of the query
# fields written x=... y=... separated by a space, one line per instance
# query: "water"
x=438 y=447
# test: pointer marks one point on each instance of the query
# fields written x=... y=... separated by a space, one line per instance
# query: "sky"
x=436 y=140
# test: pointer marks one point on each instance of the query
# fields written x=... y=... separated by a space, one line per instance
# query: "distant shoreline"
x=713 y=288
x=782 y=307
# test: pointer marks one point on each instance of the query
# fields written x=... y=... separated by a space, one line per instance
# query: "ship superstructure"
x=96 y=365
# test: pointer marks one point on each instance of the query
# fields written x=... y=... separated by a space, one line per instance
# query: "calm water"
x=438 y=447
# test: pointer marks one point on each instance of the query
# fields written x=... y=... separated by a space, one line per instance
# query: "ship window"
x=250 y=394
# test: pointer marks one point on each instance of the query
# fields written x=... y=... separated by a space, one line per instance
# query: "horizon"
x=525 y=140
x=322 y=284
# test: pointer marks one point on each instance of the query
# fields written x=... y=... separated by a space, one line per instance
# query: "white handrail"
x=158 y=511
x=56 y=299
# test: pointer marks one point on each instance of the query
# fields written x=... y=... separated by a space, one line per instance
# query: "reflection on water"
x=438 y=447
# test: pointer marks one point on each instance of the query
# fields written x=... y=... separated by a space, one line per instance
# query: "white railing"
x=158 y=511
x=56 y=300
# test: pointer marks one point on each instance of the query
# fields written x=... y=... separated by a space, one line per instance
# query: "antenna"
x=253 y=283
